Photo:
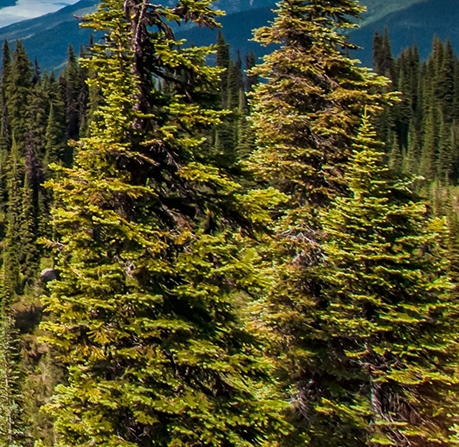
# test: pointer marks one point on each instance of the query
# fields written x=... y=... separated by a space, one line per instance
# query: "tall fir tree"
x=370 y=323
x=444 y=90
x=383 y=60
x=152 y=255
x=306 y=117
x=12 y=427
x=11 y=243
x=19 y=95
x=385 y=271
x=223 y=61
x=307 y=111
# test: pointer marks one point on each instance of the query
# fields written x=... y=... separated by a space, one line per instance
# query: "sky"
x=28 y=9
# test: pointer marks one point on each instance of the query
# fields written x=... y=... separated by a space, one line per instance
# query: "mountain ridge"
x=49 y=36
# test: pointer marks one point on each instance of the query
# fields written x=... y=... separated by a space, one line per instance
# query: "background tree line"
x=421 y=132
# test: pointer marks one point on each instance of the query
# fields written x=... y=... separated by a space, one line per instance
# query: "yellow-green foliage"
x=152 y=257
x=367 y=318
x=308 y=109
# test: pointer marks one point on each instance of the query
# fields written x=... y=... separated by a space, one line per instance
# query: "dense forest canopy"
x=230 y=254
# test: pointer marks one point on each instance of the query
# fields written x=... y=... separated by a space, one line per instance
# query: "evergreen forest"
x=206 y=251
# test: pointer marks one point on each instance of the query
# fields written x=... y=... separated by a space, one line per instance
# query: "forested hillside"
x=229 y=254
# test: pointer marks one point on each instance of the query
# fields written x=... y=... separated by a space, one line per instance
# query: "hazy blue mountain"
x=408 y=21
x=12 y=11
x=49 y=36
x=418 y=23
x=5 y=3
x=234 y=6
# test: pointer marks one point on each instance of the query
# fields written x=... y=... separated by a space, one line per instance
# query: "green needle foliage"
x=307 y=112
x=12 y=426
x=371 y=324
x=152 y=255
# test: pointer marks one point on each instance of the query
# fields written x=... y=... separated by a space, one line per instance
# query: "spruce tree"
x=70 y=83
x=396 y=156
x=152 y=255
x=445 y=155
x=383 y=60
x=6 y=78
x=370 y=324
x=11 y=243
x=403 y=112
x=430 y=149
x=55 y=136
x=387 y=309
x=251 y=79
x=12 y=427
x=445 y=83
x=5 y=132
x=306 y=117
x=413 y=154
x=20 y=94
x=456 y=89
x=29 y=255
x=307 y=111
x=37 y=113
x=223 y=62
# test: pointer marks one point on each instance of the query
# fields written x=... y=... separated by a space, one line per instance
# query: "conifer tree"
x=235 y=83
x=11 y=243
x=455 y=152
x=402 y=112
x=445 y=83
x=6 y=71
x=383 y=296
x=36 y=77
x=426 y=116
x=383 y=60
x=12 y=428
x=55 y=136
x=413 y=154
x=306 y=117
x=69 y=81
x=456 y=89
x=223 y=62
x=5 y=130
x=452 y=245
x=29 y=255
x=445 y=155
x=370 y=323
x=151 y=255
x=56 y=132
x=430 y=147
x=251 y=79
x=19 y=94
x=307 y=111
x=396 y=157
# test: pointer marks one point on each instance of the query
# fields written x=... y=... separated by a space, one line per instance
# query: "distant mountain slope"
x=238 y=31
x=49 y=36
x=377 y=9
x=235 y=6
x=5 y=3
x=408 y=21
x=418 y=23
